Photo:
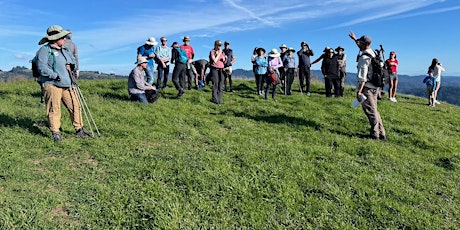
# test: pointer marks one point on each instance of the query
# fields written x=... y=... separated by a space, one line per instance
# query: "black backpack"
x=377 y=74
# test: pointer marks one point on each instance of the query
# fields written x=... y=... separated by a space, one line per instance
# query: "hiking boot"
x=57 y=137
x=83 y=133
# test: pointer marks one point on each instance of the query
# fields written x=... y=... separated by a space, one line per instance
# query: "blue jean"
x=139 y=97
x=162 y=74
x=149 y=72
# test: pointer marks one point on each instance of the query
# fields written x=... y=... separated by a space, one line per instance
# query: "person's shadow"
x=25 y=123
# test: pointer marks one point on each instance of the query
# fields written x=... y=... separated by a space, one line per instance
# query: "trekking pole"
x=86 y=110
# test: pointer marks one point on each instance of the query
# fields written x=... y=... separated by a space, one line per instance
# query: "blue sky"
x=107 y=33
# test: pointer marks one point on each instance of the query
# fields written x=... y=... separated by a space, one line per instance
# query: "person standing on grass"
x=148 y=51
x=74 y=50
x=254 y=67
x=283 y=53
x=430 y=82
x=365 y=87
x=178 y=75
x=392 y=67
x=330 y=70
x=217 y=58
x=274 y=63
x=437 y=69
x=304 y=67
x=188 y=66
x=136 y=84
x=55 y=63
x=261 y=69
x=342 y=59
x=289 y=68
x=163 y=54
x=228 y=69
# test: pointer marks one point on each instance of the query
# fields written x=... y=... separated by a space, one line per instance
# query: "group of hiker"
x=57 y=66
x=186 y=72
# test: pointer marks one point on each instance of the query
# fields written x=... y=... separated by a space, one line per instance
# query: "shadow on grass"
x=278 y=119
x=25 y=123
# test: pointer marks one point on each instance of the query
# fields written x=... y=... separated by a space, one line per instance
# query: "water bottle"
x=356 y=102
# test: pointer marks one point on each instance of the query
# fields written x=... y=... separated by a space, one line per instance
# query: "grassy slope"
x=186 y=163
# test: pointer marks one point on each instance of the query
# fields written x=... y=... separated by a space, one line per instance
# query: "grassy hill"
x=295 y=163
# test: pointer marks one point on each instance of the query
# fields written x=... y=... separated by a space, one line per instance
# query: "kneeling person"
x=136 y=85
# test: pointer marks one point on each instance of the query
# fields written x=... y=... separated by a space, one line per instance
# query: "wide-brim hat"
x=217 y=43
x=54 y=33
x=141 y=60
x=283 y=46
x=274 y=53
x=186 y=38
x=151 y=41
x=291 y=49
x=339 y=48
x=326 y=49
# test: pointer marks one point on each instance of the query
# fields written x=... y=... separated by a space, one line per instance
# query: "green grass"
x=297 y=163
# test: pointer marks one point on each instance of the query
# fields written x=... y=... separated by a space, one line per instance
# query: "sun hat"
x=141 y=60
x=365 y=40
x=326 y=49
x=274 y=53
x=339 y=48
x=283 y=46
x=217 y=43
x=151 y=41
x=54 y=33
x=291 y=49
x=186 y=38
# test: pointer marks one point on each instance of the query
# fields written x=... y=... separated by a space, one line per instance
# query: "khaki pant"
x=373 y=115
x=53 y=97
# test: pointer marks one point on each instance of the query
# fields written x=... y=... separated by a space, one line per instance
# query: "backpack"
x=377 y=75
x=35 y=72
x=182 y=56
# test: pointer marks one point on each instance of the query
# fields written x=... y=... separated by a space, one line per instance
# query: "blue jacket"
x=51 y=63
x=145 y=50
x=262 y=64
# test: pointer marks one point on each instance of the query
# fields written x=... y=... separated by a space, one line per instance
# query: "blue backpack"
x=182 y=56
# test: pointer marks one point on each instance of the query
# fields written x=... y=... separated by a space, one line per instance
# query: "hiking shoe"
x=83 y=133
x=437 y=102
x=57 y=137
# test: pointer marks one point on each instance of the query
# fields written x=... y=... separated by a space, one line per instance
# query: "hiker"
x=228 y=66
x=430 y=82
x=74 y=50
x=281 y=71
x=188 y=66
x=342 y=59
x=261 y=69
x=274 y=63
x=136 y=84
x=365 y=87
x=178 y=75
x=163 y=56
x=289 y=68
x=392 y=68
x=254 y=67
x=437 y=69
x=55 y=63
x=217 y=58
x=330 y=70
x=148 y=51
x=201 y=65
x=304 y=67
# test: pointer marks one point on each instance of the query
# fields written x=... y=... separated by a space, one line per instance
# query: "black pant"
x=260 y=82
x=190 y=77
x=330 y=81
x=289 y=80
x=178 y=76
x=217 y=78
x=304 y=76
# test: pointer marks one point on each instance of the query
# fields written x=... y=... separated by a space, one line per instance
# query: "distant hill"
x=412 y=85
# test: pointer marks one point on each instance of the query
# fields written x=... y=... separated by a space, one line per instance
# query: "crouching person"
x=137 y=87
x=54 y=64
